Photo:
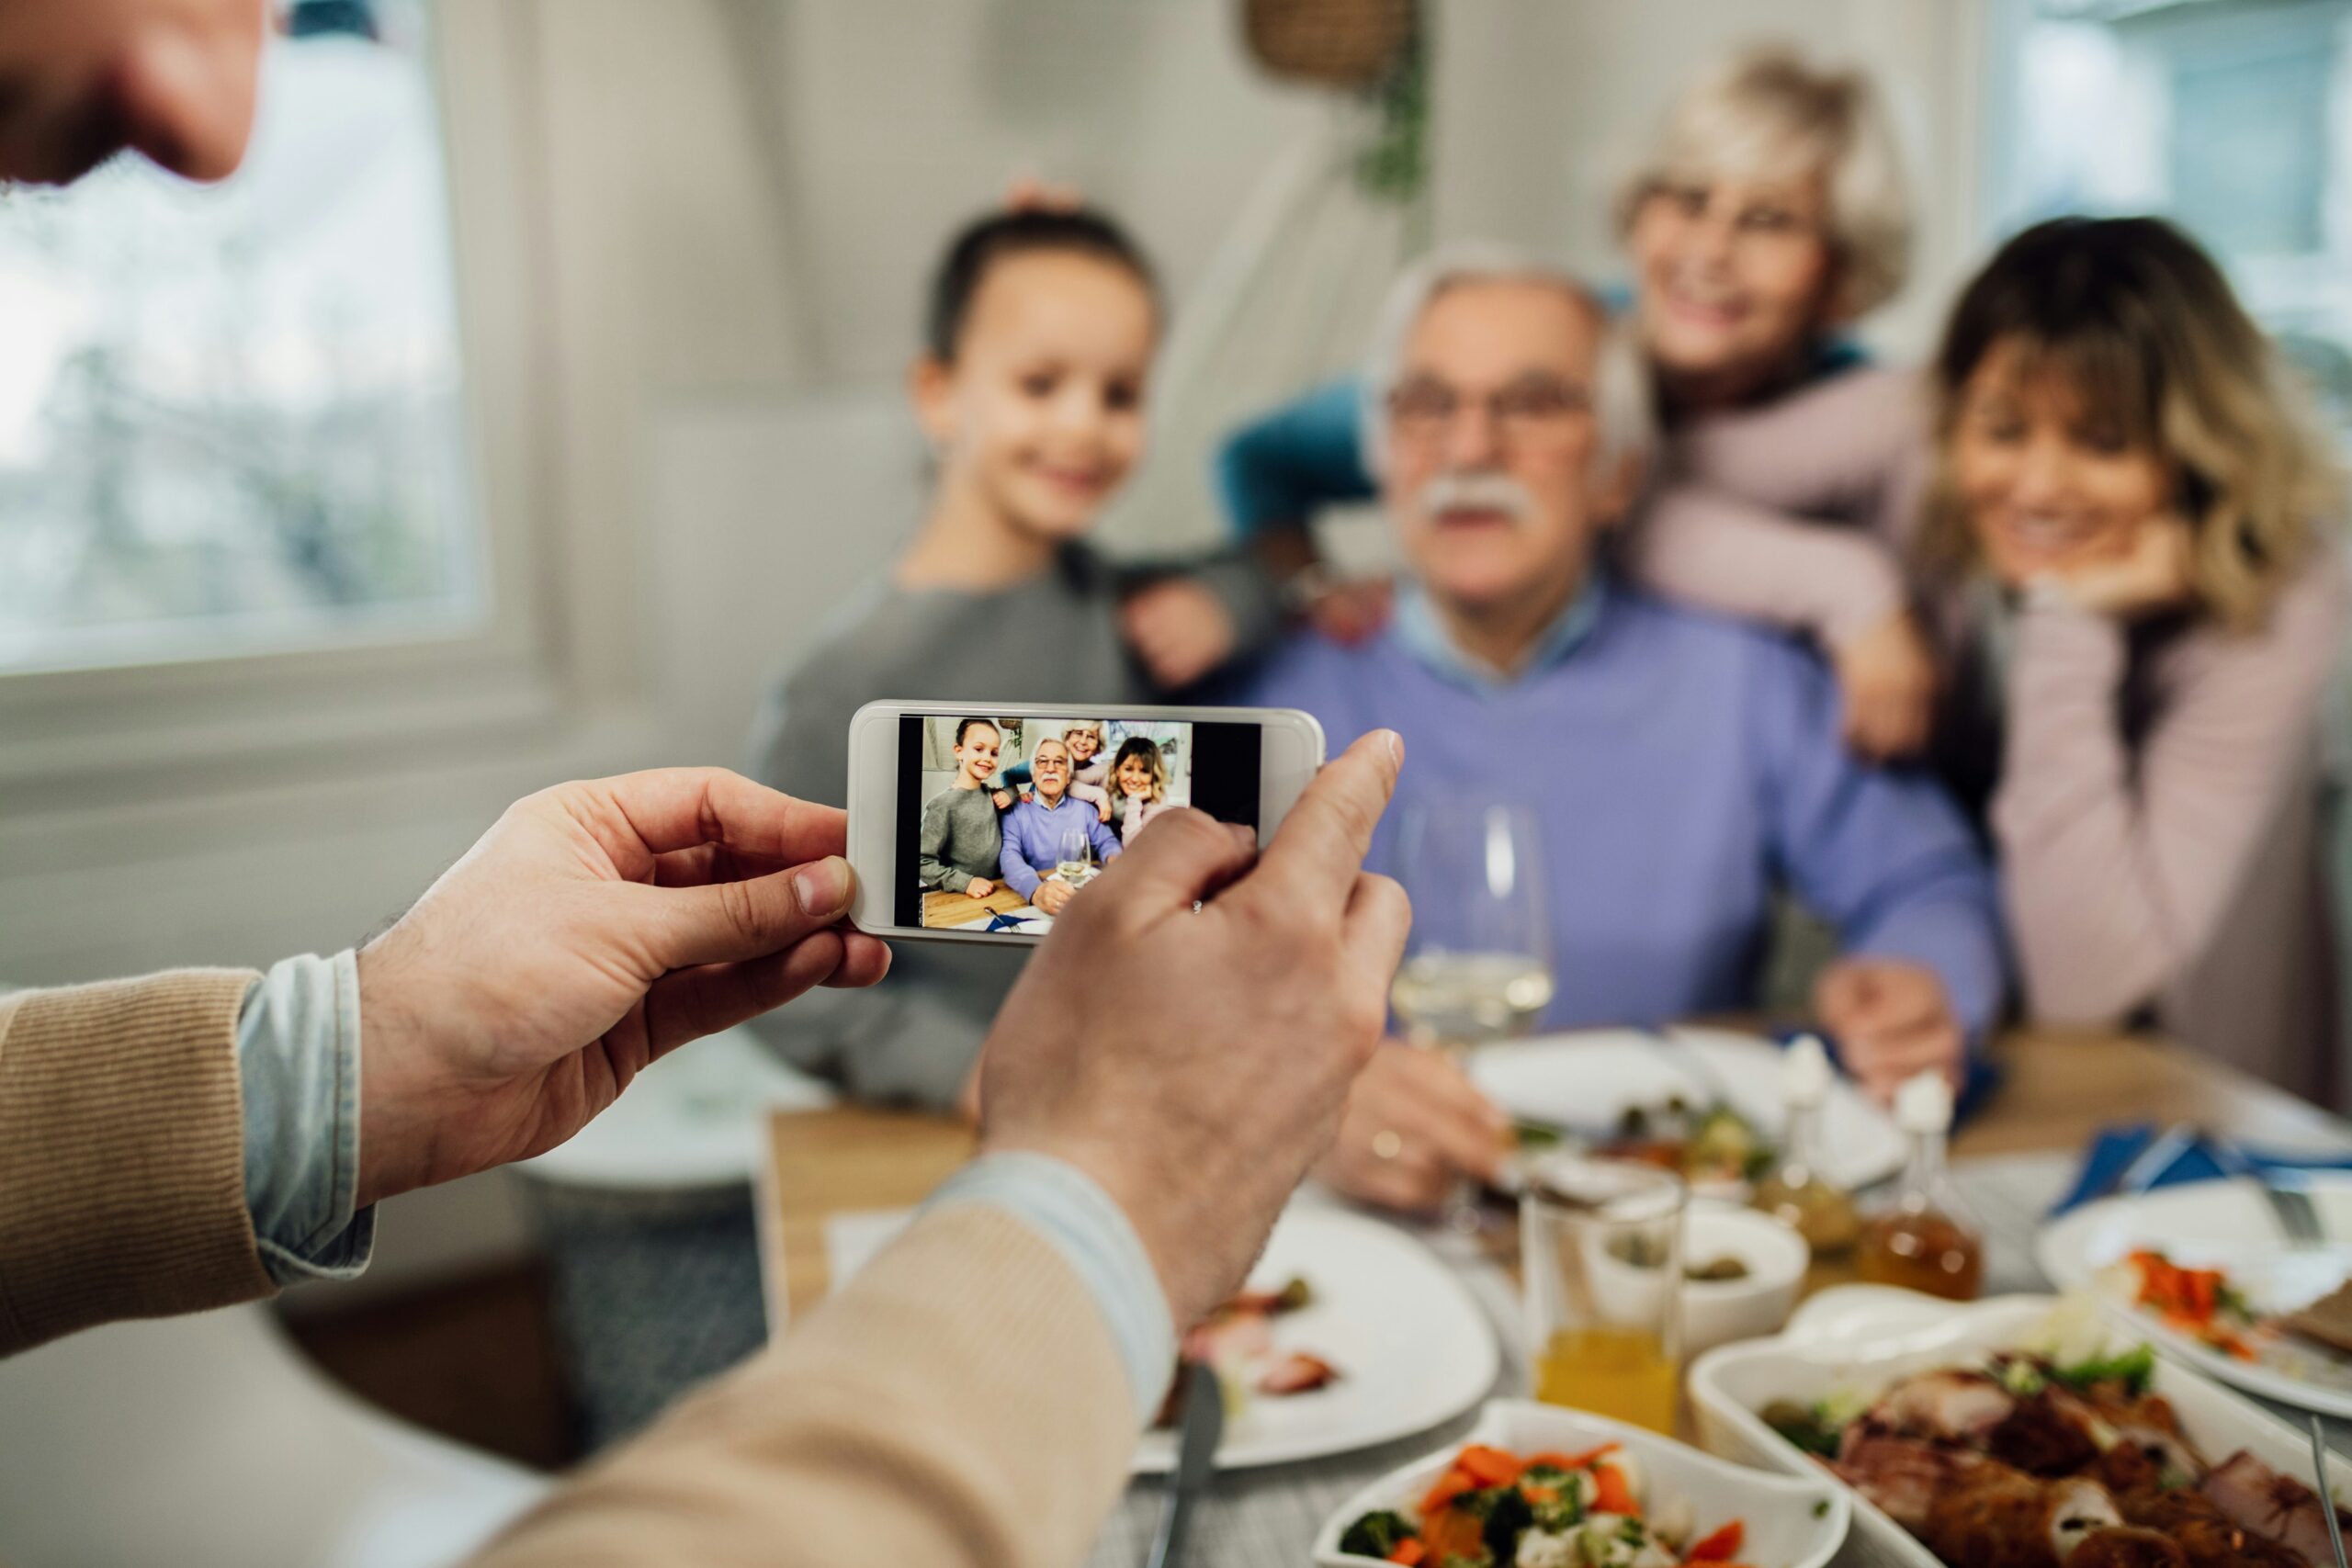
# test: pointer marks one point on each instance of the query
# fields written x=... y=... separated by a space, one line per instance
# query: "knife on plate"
x=1198 y=1431
x=2326 y=1491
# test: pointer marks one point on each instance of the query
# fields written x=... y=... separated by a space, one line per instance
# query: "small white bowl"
x=1791 y=1522
x=1717 y=1312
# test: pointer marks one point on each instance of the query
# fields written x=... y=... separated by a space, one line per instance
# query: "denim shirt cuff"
x=297 y=1061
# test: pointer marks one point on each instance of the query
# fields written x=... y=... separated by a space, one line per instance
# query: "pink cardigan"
x=2155 y=800
x=1133 y=821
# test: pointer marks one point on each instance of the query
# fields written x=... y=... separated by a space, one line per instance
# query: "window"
x=2232 y=117
x=231 y=417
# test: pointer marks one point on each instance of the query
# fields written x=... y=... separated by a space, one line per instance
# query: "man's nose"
x=1473 y=439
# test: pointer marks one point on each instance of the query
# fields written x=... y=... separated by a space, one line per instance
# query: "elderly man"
x=1681 y=766
x=1037 y=830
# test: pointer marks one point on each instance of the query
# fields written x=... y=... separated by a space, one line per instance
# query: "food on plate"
x=1717 y=1269
x=2198 y=1302
x=1495 y=1509
x=2327 y=1320
x=2028 y=1459
x=1705 y=1144
x=1237 y=1342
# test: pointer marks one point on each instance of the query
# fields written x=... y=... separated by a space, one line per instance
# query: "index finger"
x=638 y=817
x=1321 y=844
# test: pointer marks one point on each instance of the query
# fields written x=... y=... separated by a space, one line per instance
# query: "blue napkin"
x=2112 y=1150
x=1983 y=1076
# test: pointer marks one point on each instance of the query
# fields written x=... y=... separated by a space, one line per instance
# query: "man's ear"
x=1618 y=486
x=931 y=387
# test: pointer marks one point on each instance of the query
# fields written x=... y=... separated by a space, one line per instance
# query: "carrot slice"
x=1452 y=1532
x=1612 y=1493
x=1450 y=1485
x=1720 y=1547
x=1488 y=1467
x=1558 y=1460
x=1408 y=1552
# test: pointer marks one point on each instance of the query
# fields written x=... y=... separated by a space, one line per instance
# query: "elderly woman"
x=2138 y=589
x=1770 y=216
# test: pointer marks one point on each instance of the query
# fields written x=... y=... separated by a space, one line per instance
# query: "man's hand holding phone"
x=1261 y=984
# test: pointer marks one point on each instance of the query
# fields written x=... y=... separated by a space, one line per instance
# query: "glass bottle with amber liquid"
x=1925 y=1239
x=1797 y=1192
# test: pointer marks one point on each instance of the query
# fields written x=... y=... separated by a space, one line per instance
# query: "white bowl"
x=1791 y=1522
x=1717 y=1312
x=1855 y=1340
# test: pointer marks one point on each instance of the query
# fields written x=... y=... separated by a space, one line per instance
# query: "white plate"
x=1412 y=1348
x=1789 y=1523
x=1858 y=1338
x=1589 y=1079
x=2227 y=1226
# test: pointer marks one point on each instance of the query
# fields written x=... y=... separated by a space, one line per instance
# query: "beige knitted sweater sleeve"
x=122 y=1183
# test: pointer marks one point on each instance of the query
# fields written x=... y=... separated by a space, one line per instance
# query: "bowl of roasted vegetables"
x=1537 y=1486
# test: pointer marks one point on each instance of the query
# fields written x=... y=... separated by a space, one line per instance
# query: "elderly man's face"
x=1049 y=769
x=1495 y=477
x=80 y=79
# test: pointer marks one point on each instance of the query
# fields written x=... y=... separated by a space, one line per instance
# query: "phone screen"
x=1002 y=821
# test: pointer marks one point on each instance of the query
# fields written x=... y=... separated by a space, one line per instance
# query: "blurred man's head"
x=1508 y=419
x=80 y=80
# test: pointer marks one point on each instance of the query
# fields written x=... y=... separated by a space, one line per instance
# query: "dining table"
x=838 y=1181
x=948 y=911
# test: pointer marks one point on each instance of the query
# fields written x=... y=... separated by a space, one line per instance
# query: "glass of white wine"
x=1478 y=965
x=1076 y=861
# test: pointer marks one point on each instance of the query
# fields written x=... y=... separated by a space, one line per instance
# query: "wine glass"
x=1478 y=963
x=1076 y=861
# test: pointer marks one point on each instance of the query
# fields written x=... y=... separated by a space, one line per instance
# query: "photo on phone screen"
x=1004 y=822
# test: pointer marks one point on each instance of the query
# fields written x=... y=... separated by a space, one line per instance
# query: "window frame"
x=218 y=724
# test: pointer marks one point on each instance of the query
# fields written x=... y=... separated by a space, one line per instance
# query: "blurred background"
x=534 y=392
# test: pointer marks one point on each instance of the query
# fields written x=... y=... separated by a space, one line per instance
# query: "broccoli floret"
x=1807 y=1428
x=1507 y=1516
x=1377 y=1535
x=2134 y=1368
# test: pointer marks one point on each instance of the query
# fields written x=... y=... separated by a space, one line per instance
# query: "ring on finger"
x=1387 y=1144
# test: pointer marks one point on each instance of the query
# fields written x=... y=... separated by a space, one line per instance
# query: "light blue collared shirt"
x=298 y=1060
x=1424 y=636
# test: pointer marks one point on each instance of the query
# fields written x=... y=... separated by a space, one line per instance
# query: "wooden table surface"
x=941 y=910
x=2059 y=1088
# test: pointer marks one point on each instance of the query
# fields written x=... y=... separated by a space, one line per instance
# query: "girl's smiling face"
x=1134 y=776
x=975 y=753
x=1043 y=409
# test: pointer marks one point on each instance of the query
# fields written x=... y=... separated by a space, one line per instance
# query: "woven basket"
x=1339 y=43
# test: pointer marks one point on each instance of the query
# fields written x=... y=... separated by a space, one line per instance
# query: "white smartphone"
x=982 y=822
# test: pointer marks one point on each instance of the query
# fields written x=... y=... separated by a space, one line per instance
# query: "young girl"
x=1138 y=785
x=2140 y=595
x=1036 y=354
x=960 y=839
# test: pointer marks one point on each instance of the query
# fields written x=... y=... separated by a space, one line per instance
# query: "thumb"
x=727 y=922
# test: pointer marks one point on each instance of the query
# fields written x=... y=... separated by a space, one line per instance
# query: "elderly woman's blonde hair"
x=1767 y=114
x=2140 y=327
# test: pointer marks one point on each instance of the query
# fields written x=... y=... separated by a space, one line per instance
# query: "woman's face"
x=1083 y=744
x=2049 y=485
x=1134 y=776
x=1733 y=278
x=975 y=753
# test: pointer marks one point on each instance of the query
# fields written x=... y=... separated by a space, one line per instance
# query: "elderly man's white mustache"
x=1477 y=491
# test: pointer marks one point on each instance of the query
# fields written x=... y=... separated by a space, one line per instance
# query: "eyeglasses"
x=1528 y=413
